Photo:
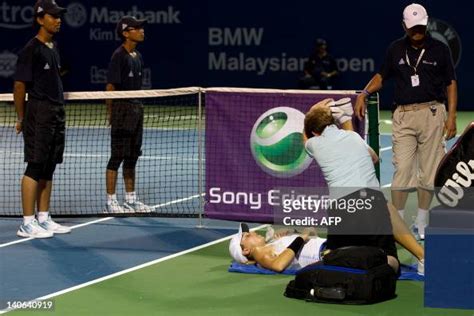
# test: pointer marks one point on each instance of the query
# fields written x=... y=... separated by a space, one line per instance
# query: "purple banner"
x=254 y=148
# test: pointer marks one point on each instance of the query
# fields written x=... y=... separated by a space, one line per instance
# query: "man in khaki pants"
x=425 y=80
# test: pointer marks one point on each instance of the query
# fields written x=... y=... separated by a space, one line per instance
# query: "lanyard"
x=417 y=62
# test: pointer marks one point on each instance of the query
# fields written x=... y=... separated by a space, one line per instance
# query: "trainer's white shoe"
x=345 y=104
x=33 y=230
x=137 y=206
x=113 y=207
x=53 y=227
x=342 y=110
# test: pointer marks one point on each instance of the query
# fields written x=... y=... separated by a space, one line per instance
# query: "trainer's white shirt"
x=309 y=253
x=341 y=153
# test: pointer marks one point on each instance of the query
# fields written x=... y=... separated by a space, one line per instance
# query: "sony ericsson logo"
x=277 y=144
x=453 y=189
x=445 y=33
x=7 y=64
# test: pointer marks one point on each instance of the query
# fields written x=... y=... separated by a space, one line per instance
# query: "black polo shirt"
x=39 y=67
x=323 y=64
x=435 y=70
x=125 y=70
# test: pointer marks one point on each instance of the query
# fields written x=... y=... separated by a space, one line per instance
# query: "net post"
x=200 y=159
x=374 y=119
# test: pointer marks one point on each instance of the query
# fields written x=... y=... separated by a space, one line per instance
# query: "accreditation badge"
x=415 y=81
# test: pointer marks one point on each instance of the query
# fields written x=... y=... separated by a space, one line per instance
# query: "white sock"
x=401 y=213
x=422 y=217
x=43 y=216
x=28 y=219
x=111 y=197
x=130 y=197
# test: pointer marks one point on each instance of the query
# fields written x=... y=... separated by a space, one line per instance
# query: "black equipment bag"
x=348 y=275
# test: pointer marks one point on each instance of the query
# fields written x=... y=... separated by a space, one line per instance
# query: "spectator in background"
x=320 y=71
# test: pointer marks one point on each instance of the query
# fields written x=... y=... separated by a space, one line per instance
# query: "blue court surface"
x=34 y=268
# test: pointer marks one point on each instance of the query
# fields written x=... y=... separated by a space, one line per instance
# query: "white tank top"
x=309 y=253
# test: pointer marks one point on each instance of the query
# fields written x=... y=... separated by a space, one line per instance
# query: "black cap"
x=128 y=21
x=48 y=7
x=320 y=42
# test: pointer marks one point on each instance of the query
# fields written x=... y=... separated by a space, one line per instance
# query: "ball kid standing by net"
x=125 y=116
x=41 y=120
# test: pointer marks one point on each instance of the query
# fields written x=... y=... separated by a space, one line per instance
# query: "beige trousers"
x=418 y=144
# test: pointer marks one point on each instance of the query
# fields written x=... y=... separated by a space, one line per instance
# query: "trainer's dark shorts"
x=369 y=226
x=127 y=130
x=44 y=131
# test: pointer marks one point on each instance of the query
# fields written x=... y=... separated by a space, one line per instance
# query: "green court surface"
x=462 y=119
x=198 y=284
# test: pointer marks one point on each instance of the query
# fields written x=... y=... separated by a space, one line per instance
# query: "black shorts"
x=44 y=131
x=126 y=130
x=364 y=227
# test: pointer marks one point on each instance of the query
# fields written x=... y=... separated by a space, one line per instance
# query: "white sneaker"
x=136 y=206
x=113 y=207
x=342 y=110
x=53 y=227
x=421 y=267
x=345 y=104
x=419 y=231
x=33 y=230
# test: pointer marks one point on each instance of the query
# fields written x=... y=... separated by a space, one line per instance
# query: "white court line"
x=72 y=227
x=144 y=265
x=178 y=201
x=104 y=219
x=385 y=149
x=386 y=185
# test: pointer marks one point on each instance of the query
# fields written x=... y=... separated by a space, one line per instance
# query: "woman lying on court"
x=297 y=250
x=330 y=147
x=278 y=253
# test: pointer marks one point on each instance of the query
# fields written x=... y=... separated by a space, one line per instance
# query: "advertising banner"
x=255 y=152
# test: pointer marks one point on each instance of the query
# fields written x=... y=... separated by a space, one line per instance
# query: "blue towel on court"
x=408 y=271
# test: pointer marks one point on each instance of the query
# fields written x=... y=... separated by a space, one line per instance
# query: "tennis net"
x=167 y=173
x=186 y=151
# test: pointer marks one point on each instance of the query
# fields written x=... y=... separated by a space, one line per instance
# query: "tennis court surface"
x=150 y=266
x=156 y=265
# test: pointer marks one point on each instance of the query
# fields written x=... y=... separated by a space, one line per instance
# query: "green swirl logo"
x=277 y=144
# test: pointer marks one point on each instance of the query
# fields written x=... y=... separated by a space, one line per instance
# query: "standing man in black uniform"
x=424 y=81
x=41 y=119
x=125 y=116
x=320 y=71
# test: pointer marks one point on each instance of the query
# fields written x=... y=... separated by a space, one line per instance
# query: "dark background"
x=178 y=44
